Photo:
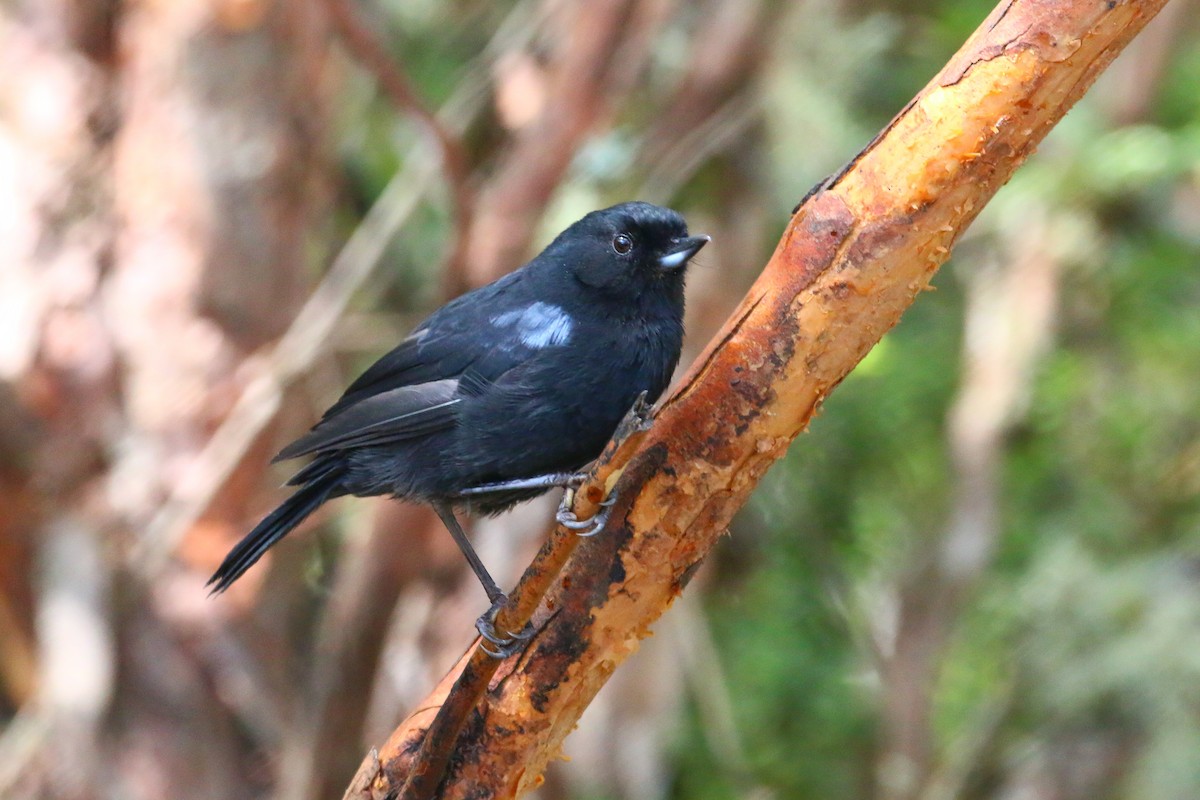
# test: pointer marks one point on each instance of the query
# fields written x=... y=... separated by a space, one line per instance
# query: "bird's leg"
x=548 y=481
x=636 y=420
x=460 y=538
x=505 y=643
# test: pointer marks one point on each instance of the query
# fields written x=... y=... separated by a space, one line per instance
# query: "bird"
x=506 y=391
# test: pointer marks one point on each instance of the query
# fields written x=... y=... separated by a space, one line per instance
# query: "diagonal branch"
x=604 y=44
x=856 y=254
x=309 y=332
x=370 y=52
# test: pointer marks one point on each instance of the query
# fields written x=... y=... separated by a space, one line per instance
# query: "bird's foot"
x=503 y=644
x=589 y=526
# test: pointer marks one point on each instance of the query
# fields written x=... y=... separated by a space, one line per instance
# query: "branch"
x=603 y=46
x=309 y=332
x=365 y=46
x=433 y=736
x=854 y=256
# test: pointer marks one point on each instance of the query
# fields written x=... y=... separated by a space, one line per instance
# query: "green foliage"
x=1087 y=622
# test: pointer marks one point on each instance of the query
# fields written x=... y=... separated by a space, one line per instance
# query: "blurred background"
x=977 y=576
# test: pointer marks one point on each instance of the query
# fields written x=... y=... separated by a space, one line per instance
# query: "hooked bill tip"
x=685 y=249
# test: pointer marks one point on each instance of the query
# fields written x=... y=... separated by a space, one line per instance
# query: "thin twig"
x=711 y=136
x=726 y=50
x=602 y=53
x=366 y=47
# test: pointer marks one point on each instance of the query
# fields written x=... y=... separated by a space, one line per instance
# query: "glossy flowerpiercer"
x=506 y=391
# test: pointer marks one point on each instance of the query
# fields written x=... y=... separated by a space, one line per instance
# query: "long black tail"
x=291 y=512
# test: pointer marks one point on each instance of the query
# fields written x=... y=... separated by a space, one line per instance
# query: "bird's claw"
x=585 y=527
x=503 y=644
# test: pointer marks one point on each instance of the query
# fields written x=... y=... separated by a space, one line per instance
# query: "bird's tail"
x=320 y=485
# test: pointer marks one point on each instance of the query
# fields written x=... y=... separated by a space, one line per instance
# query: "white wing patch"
x=538 y=325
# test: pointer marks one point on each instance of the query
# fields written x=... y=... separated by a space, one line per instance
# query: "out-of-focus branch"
x=76 y=664
x=712 y=135
x=23 y=738
x=855 y=255
x=77 y=658
x=701 y=96
x=1009 y=320
x=310 y=330
x=726 y=53
x=370 y=52
x=321 y=747
x=370 y=578
x=602 y=47
x=1132 y=89
x=712 y=106
x=17 y=662
x=261 y=398
x=690 y=635
x=1010 y=314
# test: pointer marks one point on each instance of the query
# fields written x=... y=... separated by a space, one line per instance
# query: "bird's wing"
x=458 y=336
x=406 y=412
x=404 y=365
x=417 y=388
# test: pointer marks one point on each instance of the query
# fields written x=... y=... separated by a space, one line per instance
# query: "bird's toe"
x=502 y=643
x=589 y=526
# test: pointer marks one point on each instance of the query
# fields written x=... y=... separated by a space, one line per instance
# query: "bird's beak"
x=681 y=250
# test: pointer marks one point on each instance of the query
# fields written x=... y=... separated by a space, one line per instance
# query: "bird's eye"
x=622 y=243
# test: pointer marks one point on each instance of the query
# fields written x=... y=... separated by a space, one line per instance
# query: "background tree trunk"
x=170 y=161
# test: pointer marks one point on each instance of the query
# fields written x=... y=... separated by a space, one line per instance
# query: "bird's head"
x=631 y=253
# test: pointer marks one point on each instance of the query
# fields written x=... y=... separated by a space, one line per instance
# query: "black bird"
x=506 y=391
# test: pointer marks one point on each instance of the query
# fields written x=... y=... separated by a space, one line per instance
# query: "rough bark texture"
x=854 y=256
